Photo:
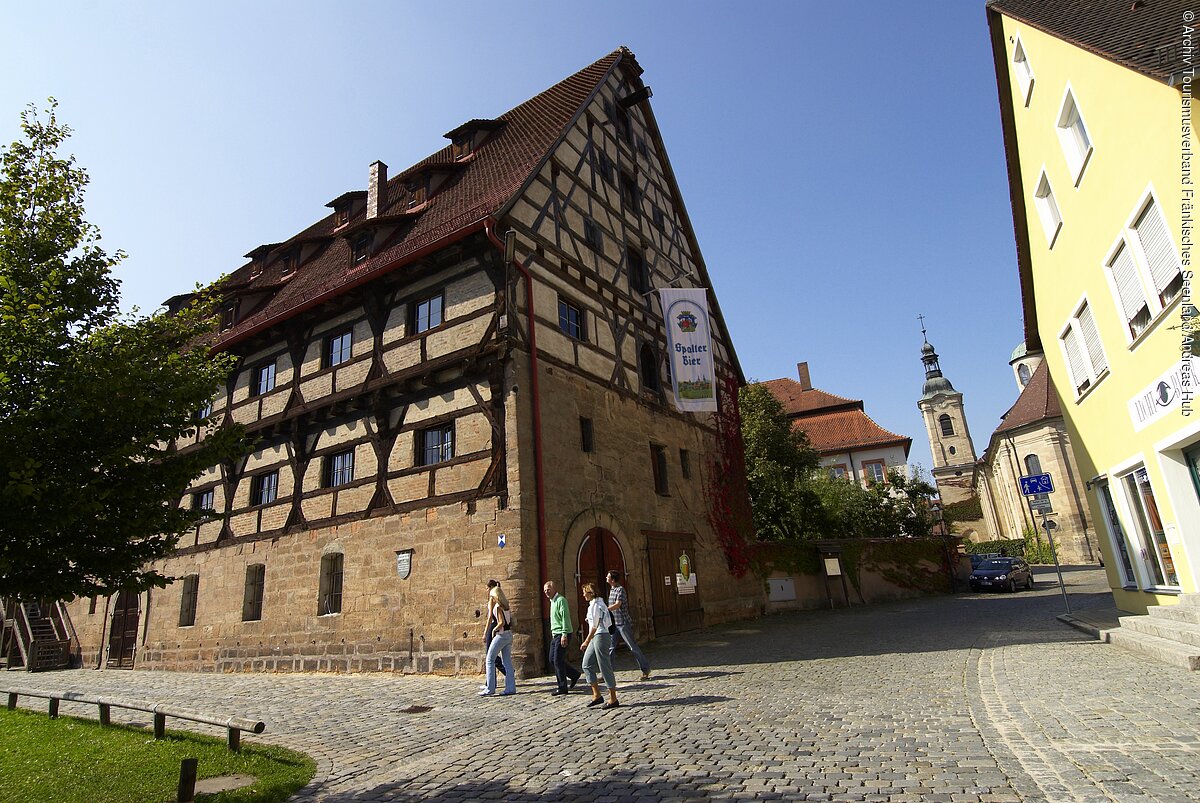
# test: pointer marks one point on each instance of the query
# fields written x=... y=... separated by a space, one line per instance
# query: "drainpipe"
x=539 y=481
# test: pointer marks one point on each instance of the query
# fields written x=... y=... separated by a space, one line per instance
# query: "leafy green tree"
x=90 y=398
x=779 y=464
x=793 y=498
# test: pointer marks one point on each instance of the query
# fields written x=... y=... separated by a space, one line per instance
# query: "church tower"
x=949 y=437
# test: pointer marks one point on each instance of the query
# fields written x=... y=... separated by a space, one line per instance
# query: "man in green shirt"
x=560 y=638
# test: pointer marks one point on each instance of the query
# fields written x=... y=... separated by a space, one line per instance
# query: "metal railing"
x=233 y=725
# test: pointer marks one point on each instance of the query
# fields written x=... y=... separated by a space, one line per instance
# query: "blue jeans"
x=597 y=660
x=625 y=632
x=501 y=645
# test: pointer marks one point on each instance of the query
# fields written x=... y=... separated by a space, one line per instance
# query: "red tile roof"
x=1143 y=35
x=832 y=423
x=483 y=185
x=834 y=432
x=1037 y=402
x=798 y=401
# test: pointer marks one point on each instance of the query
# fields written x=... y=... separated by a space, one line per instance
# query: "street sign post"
x=1033 y=487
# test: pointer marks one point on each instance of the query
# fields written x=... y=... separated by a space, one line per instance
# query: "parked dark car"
x=981 y=557
x=1003 y=573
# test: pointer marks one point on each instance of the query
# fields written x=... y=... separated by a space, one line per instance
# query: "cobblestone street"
x=975 y=697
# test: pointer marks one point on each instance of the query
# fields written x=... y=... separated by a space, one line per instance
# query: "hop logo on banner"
x=687 y=321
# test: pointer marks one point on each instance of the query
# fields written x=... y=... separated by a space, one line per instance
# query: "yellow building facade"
x=1096 y=121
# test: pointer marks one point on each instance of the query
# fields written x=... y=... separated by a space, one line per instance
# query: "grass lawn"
x=66 y=760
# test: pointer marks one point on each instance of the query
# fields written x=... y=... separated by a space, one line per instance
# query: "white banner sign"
x=693 y=376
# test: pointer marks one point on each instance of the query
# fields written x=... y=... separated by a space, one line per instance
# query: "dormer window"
x=228 y=316
x=461 y=148
x=288 y=262
x=360 y=248
x=416 y=192
x=467 y=138
x=341 y=215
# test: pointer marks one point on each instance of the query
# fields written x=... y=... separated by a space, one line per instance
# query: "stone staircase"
x=1168 y=633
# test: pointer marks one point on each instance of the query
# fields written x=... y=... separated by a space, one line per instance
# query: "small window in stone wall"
x=586 y=442
x=92 y=605
x=330 y=598
x=187 y=605
x=658 y=464
x=685 y=464
x=252 y=599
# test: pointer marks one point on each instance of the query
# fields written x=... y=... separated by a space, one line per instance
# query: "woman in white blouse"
x=596 y=659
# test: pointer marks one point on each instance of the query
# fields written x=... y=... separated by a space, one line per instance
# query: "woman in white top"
x=595 y=649
x=501 y=644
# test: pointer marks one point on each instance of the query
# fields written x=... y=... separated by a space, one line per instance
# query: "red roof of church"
x=1037 y=402
x=481 y=186
x=832 y=423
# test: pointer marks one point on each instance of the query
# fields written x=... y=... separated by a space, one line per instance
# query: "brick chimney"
x=376 y=189
x=805 y=382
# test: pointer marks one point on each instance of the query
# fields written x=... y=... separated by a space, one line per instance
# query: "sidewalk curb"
x=1081 y=624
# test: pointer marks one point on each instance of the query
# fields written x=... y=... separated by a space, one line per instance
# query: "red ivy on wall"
x=725 y=489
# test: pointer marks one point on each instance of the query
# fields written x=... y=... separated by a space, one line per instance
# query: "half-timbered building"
x=456 y=374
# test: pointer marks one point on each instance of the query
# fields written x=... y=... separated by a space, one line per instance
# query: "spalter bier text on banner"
x=690 y=344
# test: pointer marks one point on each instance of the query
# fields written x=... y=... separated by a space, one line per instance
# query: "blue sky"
x=841 y=162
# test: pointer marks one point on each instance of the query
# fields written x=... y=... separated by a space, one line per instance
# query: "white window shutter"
x=1091 y=341
x=1079 y=375
x=1151 y=231
x=1129 y=289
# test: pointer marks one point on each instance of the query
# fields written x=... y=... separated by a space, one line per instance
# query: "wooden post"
x=187 y=780
x=12 y=701
x=105 y=711
x=235 y=739
x=54 y=708
x=160 y=725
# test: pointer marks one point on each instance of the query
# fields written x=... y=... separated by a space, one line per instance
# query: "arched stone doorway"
x=599 y=554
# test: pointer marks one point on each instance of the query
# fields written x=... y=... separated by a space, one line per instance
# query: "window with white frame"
x=1081 y=344
x=1023 y=71
x=1047 y=209
x=1144 y=268
x=1073 y=136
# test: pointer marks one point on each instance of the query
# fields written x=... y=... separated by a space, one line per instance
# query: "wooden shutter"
x=1151 y=231
x=1091 y=341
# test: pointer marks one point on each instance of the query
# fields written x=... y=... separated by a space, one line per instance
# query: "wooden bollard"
x=12 y=701
x=160 y=726
x=187 y=781
x=105 y=713
x=54 y=708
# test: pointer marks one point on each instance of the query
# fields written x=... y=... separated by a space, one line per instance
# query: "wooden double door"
x=122 y=630
x=673 y=612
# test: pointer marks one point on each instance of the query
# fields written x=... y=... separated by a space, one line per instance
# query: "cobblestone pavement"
x=974 y=697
